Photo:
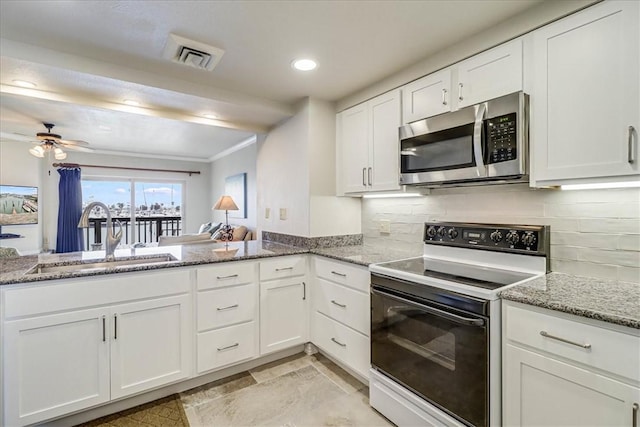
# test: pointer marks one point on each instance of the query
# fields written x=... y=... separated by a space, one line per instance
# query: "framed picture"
x=18 y=205
x=236 y=187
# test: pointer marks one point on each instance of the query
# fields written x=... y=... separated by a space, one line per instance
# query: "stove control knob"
x=512 y=237
x=431 y=232
x=441 y=231
x=496 y=236
x=453 y=233
x=529 y=239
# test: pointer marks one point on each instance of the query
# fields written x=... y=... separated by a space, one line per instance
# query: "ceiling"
x=87 y=57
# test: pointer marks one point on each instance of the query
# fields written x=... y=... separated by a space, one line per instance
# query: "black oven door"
x=438 y=353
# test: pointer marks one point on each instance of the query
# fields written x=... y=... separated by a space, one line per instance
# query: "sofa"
x=208 y=233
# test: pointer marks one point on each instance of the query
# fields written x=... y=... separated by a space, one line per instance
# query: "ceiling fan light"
x=37 y=151
x=59 y=154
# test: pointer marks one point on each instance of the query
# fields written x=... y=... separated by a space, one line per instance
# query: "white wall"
x=241 y=161
x=283 y=175
x=594 y=233
x=196 y=206
x=18 y=167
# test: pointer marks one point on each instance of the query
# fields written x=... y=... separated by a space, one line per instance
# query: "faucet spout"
x=112 y=240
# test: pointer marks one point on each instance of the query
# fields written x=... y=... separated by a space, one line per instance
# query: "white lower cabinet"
x=55 y=364
x=227 y=315
x=341 y=313
x=560 y=371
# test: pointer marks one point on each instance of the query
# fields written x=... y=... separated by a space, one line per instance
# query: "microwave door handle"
x=477 y=140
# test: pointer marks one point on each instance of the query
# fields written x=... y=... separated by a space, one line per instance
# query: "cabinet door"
x=384 y=153
x=586 y=94
x=54 y=365
x=490 y=74
x=426 y=97
x=151 y=344
x=354 y=148
x=283 y=314
x=541 y=391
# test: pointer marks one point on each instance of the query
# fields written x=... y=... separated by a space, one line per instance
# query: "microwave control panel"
x=501 y=138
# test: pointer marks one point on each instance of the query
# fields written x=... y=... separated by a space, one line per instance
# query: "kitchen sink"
x=73 y=267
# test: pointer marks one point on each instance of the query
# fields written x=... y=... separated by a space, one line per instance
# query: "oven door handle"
x=449 y=316
x=477 y=140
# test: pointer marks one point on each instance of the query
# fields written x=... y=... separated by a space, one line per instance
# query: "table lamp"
x=225 y=203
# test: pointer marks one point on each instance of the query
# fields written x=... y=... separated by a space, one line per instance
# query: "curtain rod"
x=75 y=165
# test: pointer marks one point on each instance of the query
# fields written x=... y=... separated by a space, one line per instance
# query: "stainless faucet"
x=112 y=240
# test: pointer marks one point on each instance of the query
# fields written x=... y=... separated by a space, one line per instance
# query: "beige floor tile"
x=277 y=402
x=280 y=367
x=216 y=389
x=336 y=374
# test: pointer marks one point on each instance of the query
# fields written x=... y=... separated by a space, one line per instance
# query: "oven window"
x=448 y=149
x=440 y=359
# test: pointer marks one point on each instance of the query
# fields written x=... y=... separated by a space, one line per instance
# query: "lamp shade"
x=225 y=203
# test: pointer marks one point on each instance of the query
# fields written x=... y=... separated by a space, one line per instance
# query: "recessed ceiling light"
x=210 y=116
x=132 y=102
x=24 y=83
x=304 y=64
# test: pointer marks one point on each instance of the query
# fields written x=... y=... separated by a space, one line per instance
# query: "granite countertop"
x=364 y=254
x=607 y=300
x=13 y=270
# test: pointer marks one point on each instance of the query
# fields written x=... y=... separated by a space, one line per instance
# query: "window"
x=157 y=209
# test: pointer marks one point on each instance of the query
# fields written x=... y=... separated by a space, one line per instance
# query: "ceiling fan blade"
x=69 y=142
x=77 y=148
x=10 y=136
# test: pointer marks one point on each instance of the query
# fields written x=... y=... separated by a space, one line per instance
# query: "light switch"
x=267 y=213
x=384 y=226
x=283 y=214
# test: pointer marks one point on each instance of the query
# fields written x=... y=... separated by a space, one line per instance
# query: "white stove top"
x=477 y=273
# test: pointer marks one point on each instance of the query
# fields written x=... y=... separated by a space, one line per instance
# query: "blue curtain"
x=69 y=211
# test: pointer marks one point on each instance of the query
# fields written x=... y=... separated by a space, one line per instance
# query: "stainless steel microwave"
x=483 y=143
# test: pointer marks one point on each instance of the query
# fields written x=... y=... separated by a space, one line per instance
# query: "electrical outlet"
x=283 y=214
x=384 y=226
x=267 y=213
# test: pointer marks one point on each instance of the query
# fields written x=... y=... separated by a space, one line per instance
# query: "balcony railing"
x=147 y=229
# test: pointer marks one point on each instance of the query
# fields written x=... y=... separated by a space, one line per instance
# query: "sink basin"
x=100 y=265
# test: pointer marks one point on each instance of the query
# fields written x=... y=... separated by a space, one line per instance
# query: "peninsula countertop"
x=17 y=270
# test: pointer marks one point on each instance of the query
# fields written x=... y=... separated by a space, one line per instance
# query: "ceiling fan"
x=50 y=142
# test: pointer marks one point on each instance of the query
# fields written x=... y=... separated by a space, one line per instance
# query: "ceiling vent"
x=192 y=53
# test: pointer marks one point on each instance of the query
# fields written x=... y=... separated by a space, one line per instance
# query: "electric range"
x=435 y=325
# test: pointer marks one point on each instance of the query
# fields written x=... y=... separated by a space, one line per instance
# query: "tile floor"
x=297 y=391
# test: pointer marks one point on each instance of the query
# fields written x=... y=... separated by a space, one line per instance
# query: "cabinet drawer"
x=226 y=306
x=346 y=345
x=282 y=267
x=343 y=304
x=610 y=351
x=344 y=274
x=226 y=275
x=226 y=346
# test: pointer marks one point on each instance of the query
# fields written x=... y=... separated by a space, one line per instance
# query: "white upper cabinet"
x=367 y=138
x=426 y=97
x=585 y=104
x=490 y=74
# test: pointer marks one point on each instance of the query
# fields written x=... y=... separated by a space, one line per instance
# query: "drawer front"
x=228 y=274
x=283 y=267
x=226 y=306
x=226 y=346
x=344 y=344
x=344 y=274
x=343 y=304
x=611 y=351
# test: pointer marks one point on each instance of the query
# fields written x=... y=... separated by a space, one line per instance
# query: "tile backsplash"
x=594 y=233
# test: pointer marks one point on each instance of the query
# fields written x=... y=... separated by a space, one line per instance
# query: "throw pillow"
x=205 y=228
x=215 y=227
x=239 y=233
